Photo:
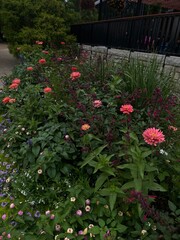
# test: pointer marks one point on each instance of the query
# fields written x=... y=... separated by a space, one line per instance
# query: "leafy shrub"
x=25 y=22
x=83 y=166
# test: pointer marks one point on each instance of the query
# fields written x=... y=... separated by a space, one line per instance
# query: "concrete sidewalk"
x=7 y=60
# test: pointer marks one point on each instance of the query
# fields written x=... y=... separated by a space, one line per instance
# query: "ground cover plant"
x=87 y=150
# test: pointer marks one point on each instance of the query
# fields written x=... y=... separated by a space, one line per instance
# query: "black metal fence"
x=151 y=33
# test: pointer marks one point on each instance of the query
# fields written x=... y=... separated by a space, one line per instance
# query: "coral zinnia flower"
x=42 y=61
x=85 y=127
x=75 y=75
x=16 y=80
x=6 y=100
x=97 y=103
x=29 y=68
x=126 y=109
x=13 y=86
x=47 y=90
x=153 y=136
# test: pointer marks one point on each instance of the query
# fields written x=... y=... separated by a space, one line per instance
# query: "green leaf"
x=19 y=219
x=121 y=228
x=138 y=184
x=156 y=187
x=51 y=172
x=105 y=192
x=128 y=186
x=101 y=223
x=92 y=155
x=112 y=200
x=146 y=154
x=134 y=137
x=36 y=150
x=172 y=207
x=149 y=168
x=101 y=179
x=130 y=166
x=48 y=229
x=30 y=237
x=141 y=167
x=94 y=230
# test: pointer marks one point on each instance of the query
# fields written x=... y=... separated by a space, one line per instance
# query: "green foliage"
x=25 y=22
x=79 y=166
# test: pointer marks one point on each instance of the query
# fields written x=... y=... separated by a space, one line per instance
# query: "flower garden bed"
x=89 y=150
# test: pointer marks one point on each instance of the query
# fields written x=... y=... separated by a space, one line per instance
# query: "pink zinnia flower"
x=6 y=100
x=16 y=81
x=42 y=61
x=13 y=86
x=29 y=68
x=153 y=136
x=126 y=109
x=62 y=43
x=75 y=75
x=97 y=103
x=47 y=90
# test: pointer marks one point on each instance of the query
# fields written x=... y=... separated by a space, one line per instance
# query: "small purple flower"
x=9 y=235
x=13 y=223
x=81 y=232
x=79 y=212
x=88 y=202
x=58 y=227
x=37 y=214
x=47 y=212
x=29 y=142
x=4 y=217
x=3 y=204
x=52 y=216
x=29 y=214
x=8 y=166
x=12 y=205
x=20 y=213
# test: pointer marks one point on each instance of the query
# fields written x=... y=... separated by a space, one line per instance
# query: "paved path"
x=7 y=61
